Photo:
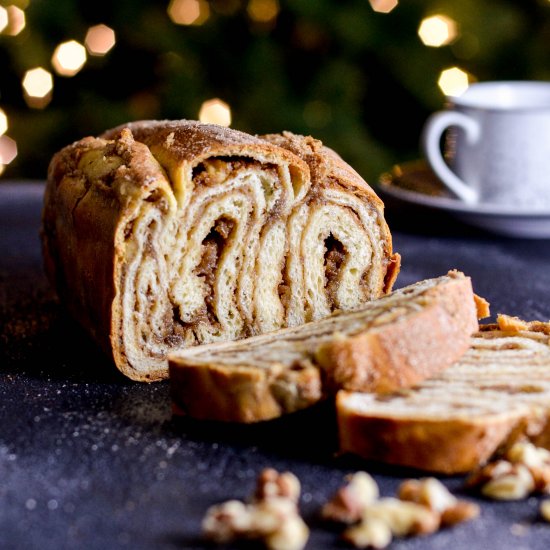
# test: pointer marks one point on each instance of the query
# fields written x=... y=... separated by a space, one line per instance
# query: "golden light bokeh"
x=437 y=30
x=188 y=12
x=68 y=58
x=37 y=85
x=263 y=11
x=4 y=18
x=453 y=81
x=215 y=111
x=3 y=122
x=100 y=39
x=16 y=21
x=383 y=6
x=8 y=149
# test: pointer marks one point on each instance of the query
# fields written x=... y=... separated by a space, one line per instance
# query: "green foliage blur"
x=361 y=81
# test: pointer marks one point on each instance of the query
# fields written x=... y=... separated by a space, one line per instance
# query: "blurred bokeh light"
x=8 y=149
x=188 y=12
x=37 y=85
x=4 y=18
x=68 y=58
x=453 y=81
x=99 y=40
x=437 y=30
x=361 y=75
x=3 y=122
x=215 y=111
x=263 y=11
x=383 y=6
x=16 y=21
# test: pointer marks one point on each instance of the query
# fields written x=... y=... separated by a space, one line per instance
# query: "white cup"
x=498 y=144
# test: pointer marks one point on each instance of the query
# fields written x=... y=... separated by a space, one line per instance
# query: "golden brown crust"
x=100 y=189
x=404 y=353
x=82 y=221
x=242 y=394
x=447 y=447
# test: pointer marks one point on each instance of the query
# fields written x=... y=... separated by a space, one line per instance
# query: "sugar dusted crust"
x=160 y=235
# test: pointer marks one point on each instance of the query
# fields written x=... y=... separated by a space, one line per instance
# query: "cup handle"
x=431 y=139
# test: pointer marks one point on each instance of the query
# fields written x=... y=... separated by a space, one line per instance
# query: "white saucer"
x=414 y=183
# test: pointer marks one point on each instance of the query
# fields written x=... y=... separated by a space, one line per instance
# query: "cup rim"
x=463 y=101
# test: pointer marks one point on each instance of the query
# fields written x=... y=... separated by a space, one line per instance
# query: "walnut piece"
x=374 y=533
x=272 y=516
x=524 y=470
x=424 y=505
x=432 y=493
x=347 y=505
x=404 y=518
x=274 y=484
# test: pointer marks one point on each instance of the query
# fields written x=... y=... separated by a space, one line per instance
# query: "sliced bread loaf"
x=456 y=421
x=390 y=343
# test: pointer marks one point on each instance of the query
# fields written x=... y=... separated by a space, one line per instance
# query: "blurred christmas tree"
x=362 y=76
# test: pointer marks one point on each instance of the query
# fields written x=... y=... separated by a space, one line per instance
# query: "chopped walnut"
x=423 y=506
x=348 y=503
x=524 y=470
x=432 y=493
x=274 y=484
x=516 y=485
x=292 y=534
x=271 y=517
x=428 y=491
x=374 y=533
x=404 y=518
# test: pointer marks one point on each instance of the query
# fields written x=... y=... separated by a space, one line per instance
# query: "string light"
x=437 y=30
x=8 y=149
x=68 y=58
x=263 y=11
x=215 y=111
x=99 y=40
x=3 y=122
x=188 y=12
x=4 y=19
x=383 y=6
x=453 y=81
x=37 y=85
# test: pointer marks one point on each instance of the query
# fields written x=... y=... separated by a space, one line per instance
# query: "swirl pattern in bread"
x=390 y=343
x=160 y=235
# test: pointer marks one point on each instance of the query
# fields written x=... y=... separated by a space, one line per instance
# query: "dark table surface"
x=89 y=459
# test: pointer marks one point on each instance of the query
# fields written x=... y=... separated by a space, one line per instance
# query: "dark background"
x=361 y=81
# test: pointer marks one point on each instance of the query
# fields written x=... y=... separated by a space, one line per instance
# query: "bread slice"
x=456 y=421
x=393 y=342
x=160 y=235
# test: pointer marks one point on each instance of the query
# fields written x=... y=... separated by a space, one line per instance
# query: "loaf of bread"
x=389 y=343
x=456 y=421
x=160 y=235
